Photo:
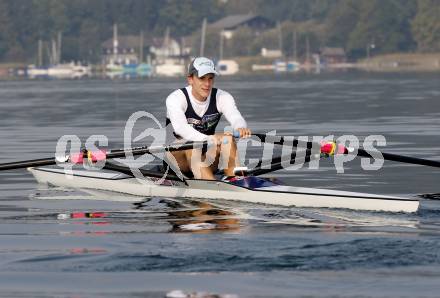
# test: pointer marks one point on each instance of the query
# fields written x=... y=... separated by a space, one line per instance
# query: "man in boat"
x=193 y=113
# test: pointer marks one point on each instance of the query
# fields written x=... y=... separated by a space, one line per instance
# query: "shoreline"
x=411 y=62
x=398 y=62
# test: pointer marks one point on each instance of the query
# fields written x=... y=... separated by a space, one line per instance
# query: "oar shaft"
x=281 y=140
x=149 y=173
x=27 y=163
x=281 y=162
x=157 y=149
x=112 y=154
x=402 y=158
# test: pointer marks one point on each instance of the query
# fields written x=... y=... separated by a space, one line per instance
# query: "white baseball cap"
x=201 y=66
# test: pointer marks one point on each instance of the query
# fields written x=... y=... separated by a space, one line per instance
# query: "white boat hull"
x=272 y=194
x=227 y=67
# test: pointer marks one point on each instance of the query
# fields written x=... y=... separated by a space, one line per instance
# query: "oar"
x=280 y=162
x=281 y=140
x=402 y=158
x=112 y=154
x=150 y=173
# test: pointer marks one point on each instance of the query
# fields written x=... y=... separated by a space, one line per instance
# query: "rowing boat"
x=252 y=189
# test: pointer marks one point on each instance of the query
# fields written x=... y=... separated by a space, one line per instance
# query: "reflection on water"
x=183 y=215
x=206 y=216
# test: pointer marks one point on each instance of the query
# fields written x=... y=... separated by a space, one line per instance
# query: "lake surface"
x=181 y=246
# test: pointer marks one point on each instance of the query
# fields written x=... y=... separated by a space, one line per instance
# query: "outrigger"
x=249 y=188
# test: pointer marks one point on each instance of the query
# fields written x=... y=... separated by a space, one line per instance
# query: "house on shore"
x=230 y=24
x=333 y=55
x=126 y=50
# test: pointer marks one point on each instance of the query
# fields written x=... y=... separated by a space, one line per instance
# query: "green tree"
x=312 y=30
x=292 y=10
x=5 y=28
x=184 y=17
x=340 y=22
x=241 y=43
x=384 y=23
x=23 y=28
x=392 y=25
x=426 y=25
x=212 y=43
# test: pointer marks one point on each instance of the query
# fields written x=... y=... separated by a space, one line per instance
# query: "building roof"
x=332 y=51
x=127 y=41
x=133 y=41
x=234 y=21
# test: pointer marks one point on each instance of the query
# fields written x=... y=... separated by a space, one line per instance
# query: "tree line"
x=384 y=25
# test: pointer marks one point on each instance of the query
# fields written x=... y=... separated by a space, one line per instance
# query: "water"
x=212 y=247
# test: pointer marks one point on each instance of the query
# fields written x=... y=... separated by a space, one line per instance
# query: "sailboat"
x=37 y=70
x=168 y=66
x=114 y=65
x=228 y=66
x=293 y=65
x=119 y=66
x=284 y=65
x=56 y=69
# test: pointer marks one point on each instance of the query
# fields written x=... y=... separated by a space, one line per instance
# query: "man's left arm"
x=226 y=105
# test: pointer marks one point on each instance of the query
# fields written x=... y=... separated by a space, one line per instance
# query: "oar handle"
x=280 y=140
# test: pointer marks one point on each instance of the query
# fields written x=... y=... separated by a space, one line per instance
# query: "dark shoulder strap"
x=189 y=109
x=185 y=92
x=214 y=94
x=213 y=102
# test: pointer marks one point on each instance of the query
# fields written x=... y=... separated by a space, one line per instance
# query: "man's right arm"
x=176 y=106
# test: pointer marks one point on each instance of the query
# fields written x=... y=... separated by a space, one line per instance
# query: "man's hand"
x=244 y=132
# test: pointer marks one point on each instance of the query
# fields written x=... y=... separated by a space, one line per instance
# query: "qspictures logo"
x=307 y=150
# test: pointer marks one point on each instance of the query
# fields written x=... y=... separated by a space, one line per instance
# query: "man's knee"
x=182 y=162
x=228 y=139
x=188 y=154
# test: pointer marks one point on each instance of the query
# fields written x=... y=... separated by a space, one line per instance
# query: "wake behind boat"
x=250 y=189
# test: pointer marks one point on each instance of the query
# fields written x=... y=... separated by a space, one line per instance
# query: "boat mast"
x=202 y=43
x=141 y=47
x=294 y=46
x=280 y=38
x=58 y=57
x=115 y=42
x=221 y=45
x=307 y=50
x=166 y=42
x=40 y=53
x=53 y=54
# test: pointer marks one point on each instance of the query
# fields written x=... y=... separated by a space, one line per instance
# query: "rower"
x=193 y=113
